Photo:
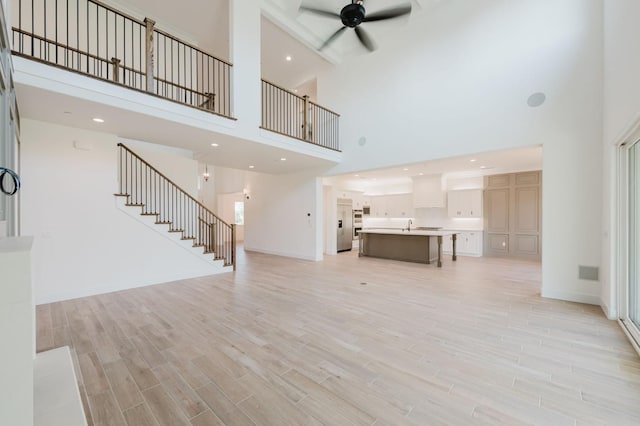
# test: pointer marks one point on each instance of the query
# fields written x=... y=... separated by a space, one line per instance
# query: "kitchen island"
x=420 y=246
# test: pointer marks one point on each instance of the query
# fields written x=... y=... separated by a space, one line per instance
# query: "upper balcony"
x=96 y=40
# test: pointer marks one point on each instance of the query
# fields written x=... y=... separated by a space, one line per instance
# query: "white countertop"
x=440 y=233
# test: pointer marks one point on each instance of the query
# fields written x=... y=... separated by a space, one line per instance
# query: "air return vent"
x=588 y=273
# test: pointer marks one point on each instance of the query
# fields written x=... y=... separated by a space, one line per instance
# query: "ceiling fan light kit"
x=354 y=14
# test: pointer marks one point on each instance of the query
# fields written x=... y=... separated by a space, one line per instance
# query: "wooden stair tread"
x=134 y=205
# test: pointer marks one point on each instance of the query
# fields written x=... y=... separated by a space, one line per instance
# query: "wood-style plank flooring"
x=347 y=341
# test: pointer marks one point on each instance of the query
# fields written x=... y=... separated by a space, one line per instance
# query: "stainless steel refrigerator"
x=345 y=224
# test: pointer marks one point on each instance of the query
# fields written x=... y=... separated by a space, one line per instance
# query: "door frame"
x=622 y=228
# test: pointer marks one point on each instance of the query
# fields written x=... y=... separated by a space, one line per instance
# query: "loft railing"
x=286 y=113
x=158 y=196
x=94 y=39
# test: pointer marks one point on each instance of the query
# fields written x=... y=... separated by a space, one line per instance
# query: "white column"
x=17 y=332
x=244 y=39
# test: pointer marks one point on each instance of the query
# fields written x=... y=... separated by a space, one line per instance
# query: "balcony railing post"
x=305 y=115
x=115 y=62
x=150 y=23
x=210 y=103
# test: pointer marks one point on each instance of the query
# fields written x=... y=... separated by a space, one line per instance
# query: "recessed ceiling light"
x=295 y=90
x=288 y=58
x=473 y=160
x=98 y=120
x=536 y=99
x=405 y=169
x=483 y=167
x=357 y=175
x=421 y=174
x=214 y=144
x=252 y=167
x=283 y=159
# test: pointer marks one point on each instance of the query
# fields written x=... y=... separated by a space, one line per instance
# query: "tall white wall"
x=284 y=215
x=457 y=81
x=84 y=245
x=621 y=109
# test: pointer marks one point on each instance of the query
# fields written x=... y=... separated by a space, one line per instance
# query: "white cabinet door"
x=475 y=203
x=470 y=243
x=447 y=244
x=456 y=203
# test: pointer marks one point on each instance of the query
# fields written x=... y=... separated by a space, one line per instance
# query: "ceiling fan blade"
x=396 y=12
x=333 y=37
x=321 y=12
x=365 y=39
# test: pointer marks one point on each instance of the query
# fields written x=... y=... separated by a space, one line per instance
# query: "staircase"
x=162 y=203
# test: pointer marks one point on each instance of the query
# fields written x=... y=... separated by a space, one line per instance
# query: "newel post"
x=233 y=246
x=149 y=52
x=305 y=124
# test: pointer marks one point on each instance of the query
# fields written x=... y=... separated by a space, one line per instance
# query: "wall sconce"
x=245 y=192
x=205 y=175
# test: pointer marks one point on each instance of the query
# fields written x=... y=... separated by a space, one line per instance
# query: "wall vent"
x=588 y=273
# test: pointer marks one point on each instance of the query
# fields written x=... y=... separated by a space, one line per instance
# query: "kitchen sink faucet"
x=409 y=225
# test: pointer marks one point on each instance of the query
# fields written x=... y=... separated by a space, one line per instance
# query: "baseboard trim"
x=282 y=254
x=59 y=297
x=611 y=314
x=573 y=297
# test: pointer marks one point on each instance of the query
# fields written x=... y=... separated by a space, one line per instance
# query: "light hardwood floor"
x=347 y=341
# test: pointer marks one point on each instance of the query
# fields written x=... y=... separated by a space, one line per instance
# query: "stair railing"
x=159 y=196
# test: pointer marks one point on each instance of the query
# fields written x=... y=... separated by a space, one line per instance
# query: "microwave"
x=366 y=210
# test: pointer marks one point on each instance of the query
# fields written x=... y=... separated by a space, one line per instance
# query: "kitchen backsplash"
x=432 y=217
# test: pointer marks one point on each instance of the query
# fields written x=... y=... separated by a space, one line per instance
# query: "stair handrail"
x=206 y=209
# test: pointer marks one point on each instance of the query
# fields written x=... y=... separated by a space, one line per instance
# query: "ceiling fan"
x=354 y=14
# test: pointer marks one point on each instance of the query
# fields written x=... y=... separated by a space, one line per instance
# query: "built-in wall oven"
x=357 y=223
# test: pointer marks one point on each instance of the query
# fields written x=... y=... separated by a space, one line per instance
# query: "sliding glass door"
x=630 y=239
x=633 y=292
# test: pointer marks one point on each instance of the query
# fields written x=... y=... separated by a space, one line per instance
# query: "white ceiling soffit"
x=465 y=166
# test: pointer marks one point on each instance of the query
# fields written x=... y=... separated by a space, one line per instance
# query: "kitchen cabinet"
x=357 y=198
x=468 y=243
x=428 y=192
x=396 y=206
x=465 y=203
x=512 y=212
